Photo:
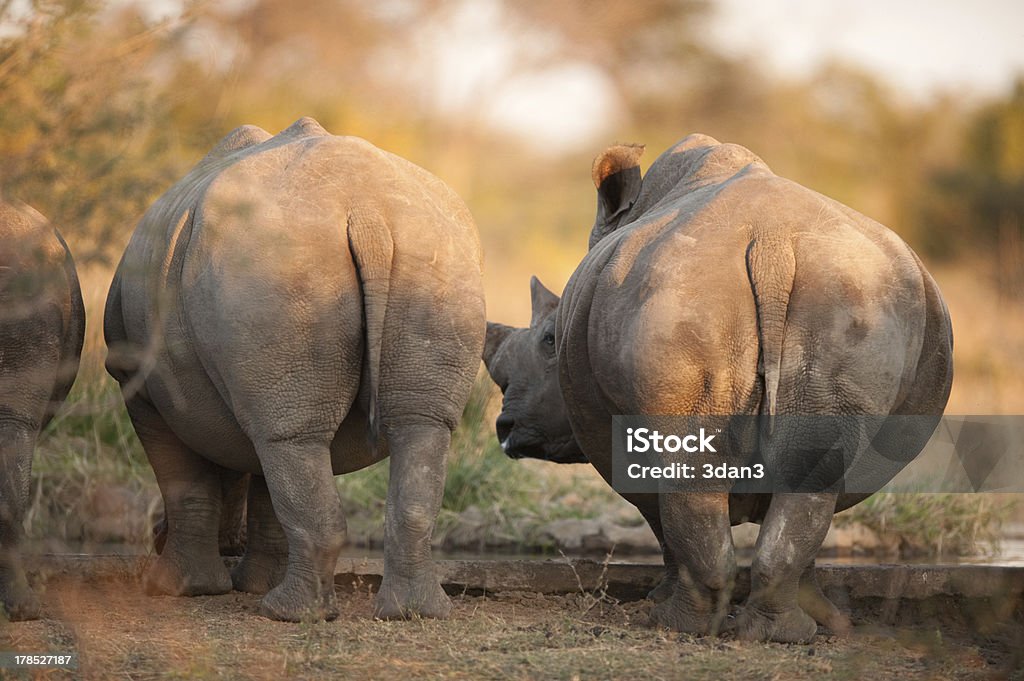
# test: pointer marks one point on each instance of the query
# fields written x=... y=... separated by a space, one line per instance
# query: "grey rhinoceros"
x=42 y=327
x=296 y=307
x=712 y=286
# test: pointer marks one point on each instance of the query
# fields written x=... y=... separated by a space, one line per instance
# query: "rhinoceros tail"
x=771 y=267
x=372 y=249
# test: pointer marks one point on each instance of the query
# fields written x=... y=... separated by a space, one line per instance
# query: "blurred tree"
x=101 y=109
x=634 y=44
x=977 y=204
x=83 y=139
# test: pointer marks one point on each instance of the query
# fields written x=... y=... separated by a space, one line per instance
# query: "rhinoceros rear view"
x=298 y=306
x=714 y=287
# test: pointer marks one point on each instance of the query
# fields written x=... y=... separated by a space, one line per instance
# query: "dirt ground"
x=121 y=633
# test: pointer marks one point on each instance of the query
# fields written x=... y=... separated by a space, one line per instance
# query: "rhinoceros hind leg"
x=696 y=527
x=299 y=478
x=266 y=555
x=790 y=537
x=18 y=603
x=410 y=587
x=190 y=563
x=17 y=600
x=232 y=517
x=664 y=588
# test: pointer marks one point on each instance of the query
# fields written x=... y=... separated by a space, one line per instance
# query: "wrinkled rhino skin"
x=42 y=327
x=298 y=306
x=713 y=286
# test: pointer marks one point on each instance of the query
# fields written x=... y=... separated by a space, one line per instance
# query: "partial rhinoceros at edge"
x=42 y=328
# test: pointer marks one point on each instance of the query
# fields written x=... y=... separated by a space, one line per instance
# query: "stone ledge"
x=632 y=581
x=624 y=581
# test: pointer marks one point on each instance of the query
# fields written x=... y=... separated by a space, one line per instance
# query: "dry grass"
x=935 y=525
x=119 y=633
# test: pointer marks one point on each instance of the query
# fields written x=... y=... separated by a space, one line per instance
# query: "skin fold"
x=296 y=307
x=42 y=327
x=714 y=287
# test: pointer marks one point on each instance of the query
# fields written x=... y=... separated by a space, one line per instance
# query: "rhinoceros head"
x=533 y=421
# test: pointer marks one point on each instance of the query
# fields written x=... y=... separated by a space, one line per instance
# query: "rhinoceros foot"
x=173 y=575
x=788 y=626
x=663 y=590
x=19 y=603
x=404 y=598
x=258 y=574
x=672 y=613
x=292 y=602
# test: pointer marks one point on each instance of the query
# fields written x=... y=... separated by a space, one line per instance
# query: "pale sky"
x=916 y=45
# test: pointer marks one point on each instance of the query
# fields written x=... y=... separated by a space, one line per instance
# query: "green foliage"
x=90 y=477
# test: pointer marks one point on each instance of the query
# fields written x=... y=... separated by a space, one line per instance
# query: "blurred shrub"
x=935 y=525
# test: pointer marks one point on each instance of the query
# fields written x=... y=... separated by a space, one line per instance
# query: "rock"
x=572 y=534
x=602 y=535
x=475 y=530
x=630 y=539
x=113 y=513
x=851 y=538
x=468 y=532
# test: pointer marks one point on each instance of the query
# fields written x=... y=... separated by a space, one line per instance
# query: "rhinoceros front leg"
x=696 y=529
x=190 y=563
x=16 y=444
x=790 y=537
x=299 y=478
x=266 y=554
x=415 y=488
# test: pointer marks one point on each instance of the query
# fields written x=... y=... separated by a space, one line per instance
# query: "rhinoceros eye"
x=549 y=339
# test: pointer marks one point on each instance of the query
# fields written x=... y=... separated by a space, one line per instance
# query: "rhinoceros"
x=296 y=307
x=42 y=327
x=713 y=286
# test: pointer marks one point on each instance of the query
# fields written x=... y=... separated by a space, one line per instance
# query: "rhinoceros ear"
x=617 y=177
x=496 y=335
x=542 y=301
